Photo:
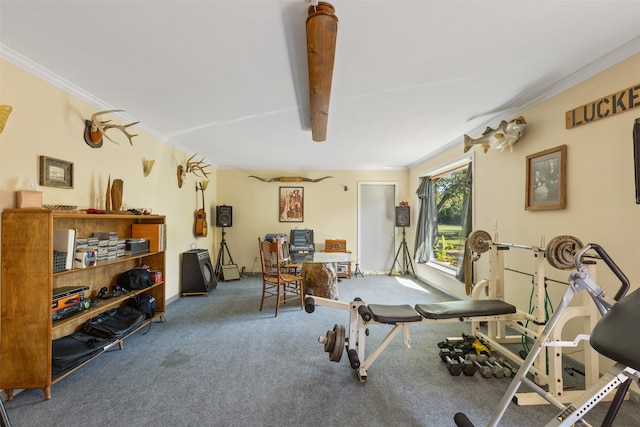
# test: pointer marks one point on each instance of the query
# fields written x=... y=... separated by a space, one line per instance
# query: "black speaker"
x=224 y=216
x=403 y=216
x=198 y=276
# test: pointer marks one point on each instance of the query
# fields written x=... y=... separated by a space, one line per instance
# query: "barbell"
x=560 y=250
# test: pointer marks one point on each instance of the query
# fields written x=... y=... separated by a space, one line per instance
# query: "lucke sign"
x=623 y=100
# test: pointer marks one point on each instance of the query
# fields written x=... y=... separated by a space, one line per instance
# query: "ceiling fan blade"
x=322 y=28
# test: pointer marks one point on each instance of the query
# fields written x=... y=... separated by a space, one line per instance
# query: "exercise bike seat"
x=616 y=335
x=465 y=308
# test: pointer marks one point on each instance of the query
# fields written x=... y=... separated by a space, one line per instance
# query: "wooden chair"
x=276 y=283
x=286 y=265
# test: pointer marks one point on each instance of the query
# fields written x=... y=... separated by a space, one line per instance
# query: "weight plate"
x=561 y=251
x=330 y=342
x=478 y=241
x=338 y=346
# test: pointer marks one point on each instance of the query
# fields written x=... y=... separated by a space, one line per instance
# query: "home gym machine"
x=491 y=309
x=609 y=337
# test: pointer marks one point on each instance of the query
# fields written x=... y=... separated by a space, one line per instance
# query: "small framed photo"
x=291 y=204
x=546 y=179
x=55 y=172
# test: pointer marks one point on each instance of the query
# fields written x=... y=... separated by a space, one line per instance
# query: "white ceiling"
x=227 y=79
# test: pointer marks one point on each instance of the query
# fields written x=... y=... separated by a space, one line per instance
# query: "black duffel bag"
x=145 y=304
x=72 y=350
x=137 y=278
x=114 y=323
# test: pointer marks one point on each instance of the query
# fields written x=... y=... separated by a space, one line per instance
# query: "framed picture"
x=55 y=172
x=636 y=156
x=291 y=204
x=546 y=179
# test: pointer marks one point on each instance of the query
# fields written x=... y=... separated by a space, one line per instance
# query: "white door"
x=376 y=226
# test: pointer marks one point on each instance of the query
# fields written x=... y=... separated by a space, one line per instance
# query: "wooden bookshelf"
x=26 y=326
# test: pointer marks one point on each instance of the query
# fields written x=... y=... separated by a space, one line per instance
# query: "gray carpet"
x=218 y=361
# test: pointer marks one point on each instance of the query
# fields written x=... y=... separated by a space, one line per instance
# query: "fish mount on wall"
x=289 y=179
x=505 y=135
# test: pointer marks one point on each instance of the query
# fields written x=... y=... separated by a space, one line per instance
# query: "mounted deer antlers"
x=95 y=129
x=195 y=168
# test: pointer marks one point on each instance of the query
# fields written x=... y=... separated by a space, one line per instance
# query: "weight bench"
x=361 y=316
x=460 y=310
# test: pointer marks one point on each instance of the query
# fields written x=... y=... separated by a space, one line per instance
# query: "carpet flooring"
x=218 y=361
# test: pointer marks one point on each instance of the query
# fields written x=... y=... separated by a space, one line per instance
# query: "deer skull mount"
x=196 y=168
x=95 y=130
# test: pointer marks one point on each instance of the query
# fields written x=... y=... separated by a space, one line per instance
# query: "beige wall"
x=47 y=121
x=601 y=204
x=329 y=210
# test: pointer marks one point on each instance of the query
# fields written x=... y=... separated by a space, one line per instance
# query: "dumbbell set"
x=460 y=362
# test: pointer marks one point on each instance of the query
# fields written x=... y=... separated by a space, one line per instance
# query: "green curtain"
x=427 y=231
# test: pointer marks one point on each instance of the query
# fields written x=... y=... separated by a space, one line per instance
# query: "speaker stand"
x=220 y=262
x=406 y=258
x=358 y=271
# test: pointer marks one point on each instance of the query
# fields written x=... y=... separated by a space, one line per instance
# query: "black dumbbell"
x=452 y=353
x=468 y=368
x=453 y=366
x=485 y=371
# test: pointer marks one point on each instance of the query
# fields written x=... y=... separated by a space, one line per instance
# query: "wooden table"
x=319 y=270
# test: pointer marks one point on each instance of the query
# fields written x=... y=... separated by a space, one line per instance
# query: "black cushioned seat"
x=467 y=308
x=393 y=314
x=616 y=335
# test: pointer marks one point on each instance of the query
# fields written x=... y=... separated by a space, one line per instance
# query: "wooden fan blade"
x=322 y=29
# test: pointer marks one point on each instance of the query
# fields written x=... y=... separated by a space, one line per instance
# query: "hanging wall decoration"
x=546 y=179
x=55 y=172
x=619 y=102
x=291 y=204
x=290 y=179
x=197 y=168
x=95 y=129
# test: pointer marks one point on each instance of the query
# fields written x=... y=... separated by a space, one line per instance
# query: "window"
x=451 y=193
x=445 y=217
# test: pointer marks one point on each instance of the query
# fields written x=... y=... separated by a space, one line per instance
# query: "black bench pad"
x=467 y=308
x=393 y=314
x=616 y=335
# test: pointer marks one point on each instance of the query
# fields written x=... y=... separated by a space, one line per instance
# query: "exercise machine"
x=608 y=338
x=492 y=310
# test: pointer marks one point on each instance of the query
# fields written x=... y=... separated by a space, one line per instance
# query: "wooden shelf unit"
x=26 y=290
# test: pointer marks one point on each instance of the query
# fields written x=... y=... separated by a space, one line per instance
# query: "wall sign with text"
x=619 y=102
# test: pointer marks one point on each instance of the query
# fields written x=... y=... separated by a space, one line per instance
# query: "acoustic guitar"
x=201 y=217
